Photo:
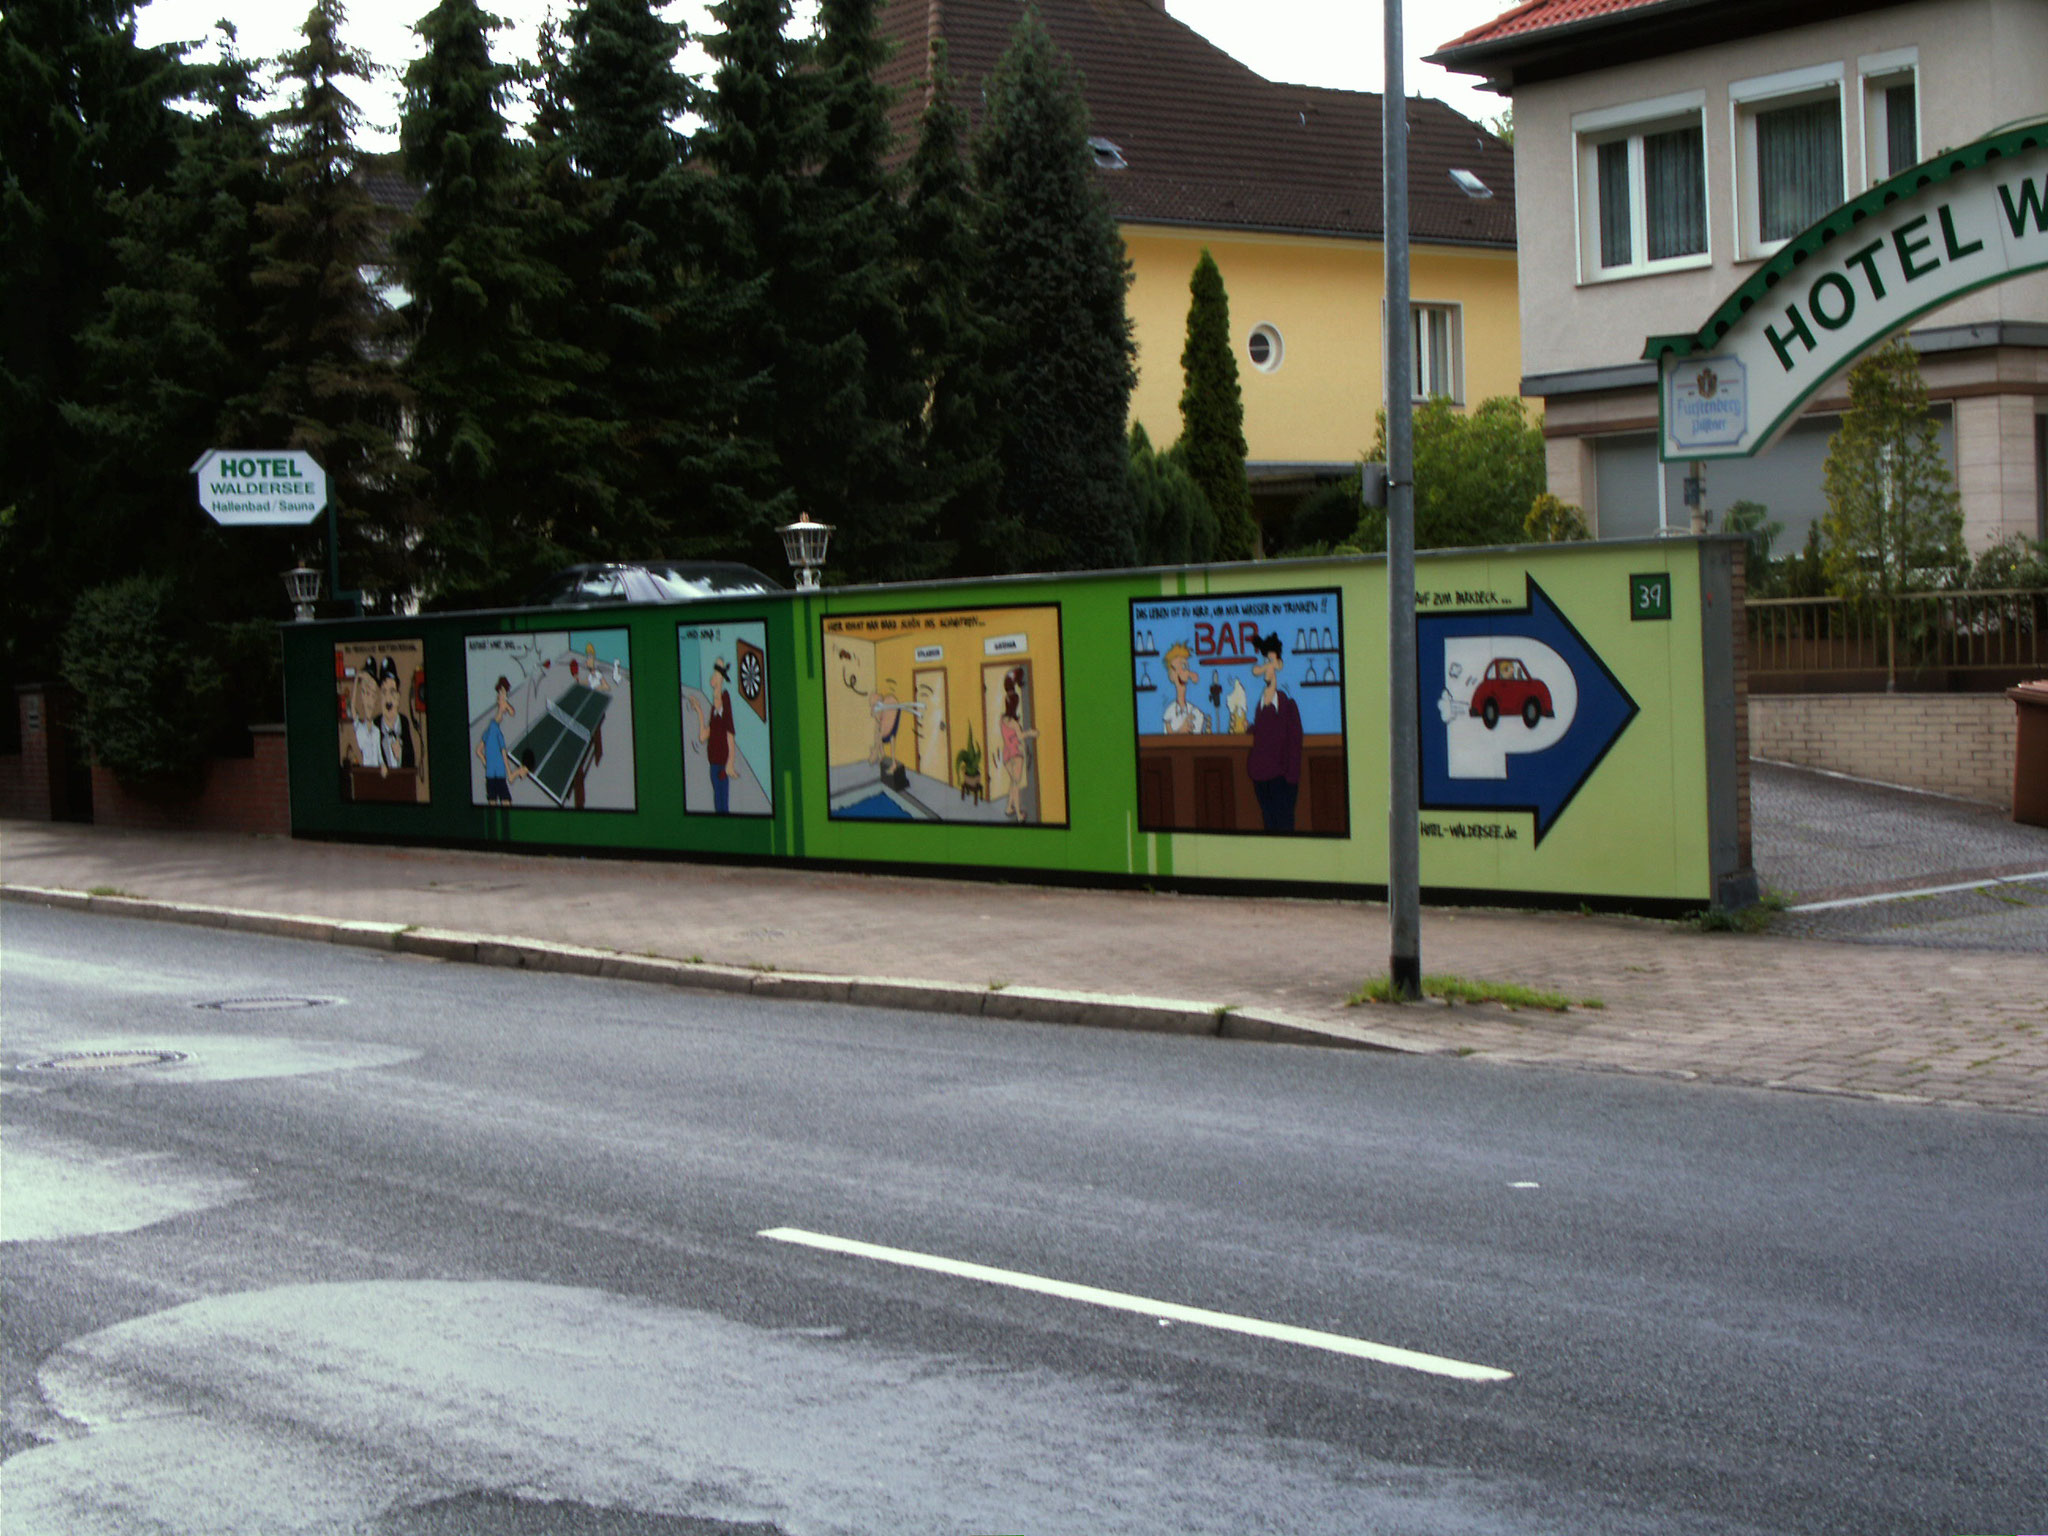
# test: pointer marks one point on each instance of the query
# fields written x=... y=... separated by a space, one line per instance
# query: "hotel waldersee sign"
x=1961 y=221
x=256 y=487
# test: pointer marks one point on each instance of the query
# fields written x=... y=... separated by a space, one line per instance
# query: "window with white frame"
x=1788 y=153
x=1642 y=187
x=1891 y=113
x=1438 y=336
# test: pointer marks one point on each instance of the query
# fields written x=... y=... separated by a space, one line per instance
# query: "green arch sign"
x=1961 y=221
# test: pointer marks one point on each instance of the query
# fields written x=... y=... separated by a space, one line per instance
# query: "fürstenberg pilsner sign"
x=1960 y=221
x=254 y=487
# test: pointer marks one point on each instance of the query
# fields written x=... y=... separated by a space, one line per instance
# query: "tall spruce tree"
x=632 y=200
x=762 y=132
x=1063 y=362
x=867 y=465
x=802 y=247
x=950 y=336
x=171 y=343
x=1212 y=413
x=84 y=118
x=332 y=387
x=498 y=439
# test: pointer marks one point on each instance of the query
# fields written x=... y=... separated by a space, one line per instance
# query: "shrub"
x=1326 y=518
x=1475 y=474
x=1551 y=521
x=2014 y=561
x=149 y=688
x=1176 y=524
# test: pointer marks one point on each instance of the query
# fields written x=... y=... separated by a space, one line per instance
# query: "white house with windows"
x=1663 y=148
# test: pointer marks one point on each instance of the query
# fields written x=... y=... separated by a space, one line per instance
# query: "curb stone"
x=1043 y=1005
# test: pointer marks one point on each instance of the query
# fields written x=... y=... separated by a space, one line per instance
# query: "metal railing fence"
x=1918 y=639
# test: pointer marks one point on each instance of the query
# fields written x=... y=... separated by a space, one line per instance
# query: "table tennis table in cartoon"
x=565 y=743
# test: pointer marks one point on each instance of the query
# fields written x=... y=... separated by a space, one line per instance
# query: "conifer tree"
x=950 y=336
x=171 y=343
x=502 y=450
x=802 y=246
x=624 y=98
x=332 y=388
x=1176 y=525
x=83 y=117
x=761 y=132
x=1212 y=413
x=1063 y=364
x=868 y=464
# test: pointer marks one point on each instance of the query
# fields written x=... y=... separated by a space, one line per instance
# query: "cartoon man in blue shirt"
x=499 y=769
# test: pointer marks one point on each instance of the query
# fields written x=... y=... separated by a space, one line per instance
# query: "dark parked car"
x=650 y=581
x=1508 y=688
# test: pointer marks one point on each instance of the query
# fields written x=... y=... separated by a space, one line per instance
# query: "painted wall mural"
x=728 y=767
x=381 y=707
x=1576 y=739
x=949 y=715
x=551 y=719
x=1517 y=710
x=1240 y=713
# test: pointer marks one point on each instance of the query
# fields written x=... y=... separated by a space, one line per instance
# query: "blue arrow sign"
x=1516 y=709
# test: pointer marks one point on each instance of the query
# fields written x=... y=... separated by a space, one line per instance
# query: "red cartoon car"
x=1508 y=688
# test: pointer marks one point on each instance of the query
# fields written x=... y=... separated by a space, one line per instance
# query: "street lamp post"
x=1404 y=831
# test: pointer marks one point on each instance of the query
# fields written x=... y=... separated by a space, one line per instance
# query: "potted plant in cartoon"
x=968 y=761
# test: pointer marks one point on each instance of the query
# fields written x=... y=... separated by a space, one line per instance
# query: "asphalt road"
x=401 y=1248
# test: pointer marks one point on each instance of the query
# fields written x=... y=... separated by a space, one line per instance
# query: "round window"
x=1265 y=348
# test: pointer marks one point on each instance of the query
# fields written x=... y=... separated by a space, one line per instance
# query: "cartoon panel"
x=727 y=768
x=1240 y=713
x=1517 y=710
x=381 y=703
x=950 y=716
x=551 y=720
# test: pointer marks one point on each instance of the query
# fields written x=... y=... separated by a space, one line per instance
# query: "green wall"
x=1620 y=807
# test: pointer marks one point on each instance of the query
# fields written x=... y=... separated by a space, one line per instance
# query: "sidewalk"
x=1948 y=1026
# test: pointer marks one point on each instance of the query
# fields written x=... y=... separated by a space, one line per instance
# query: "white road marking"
x=1165 y=1311
x=1525 y=1184
x=1925 y=890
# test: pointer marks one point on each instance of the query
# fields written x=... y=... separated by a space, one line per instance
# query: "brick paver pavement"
x=1947 y=1026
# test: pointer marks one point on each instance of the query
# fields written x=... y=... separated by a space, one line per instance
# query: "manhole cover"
x=265 y=1004
x=105 y=1061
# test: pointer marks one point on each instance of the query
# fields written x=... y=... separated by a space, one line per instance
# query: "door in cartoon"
x=934 y=735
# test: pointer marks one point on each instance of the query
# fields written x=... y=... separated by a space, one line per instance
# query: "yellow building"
x=1282 y=184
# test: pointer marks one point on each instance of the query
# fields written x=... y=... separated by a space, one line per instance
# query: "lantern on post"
x=804 y=543
x=302 y=585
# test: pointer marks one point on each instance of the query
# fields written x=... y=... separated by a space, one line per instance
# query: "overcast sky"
x=1303 y=42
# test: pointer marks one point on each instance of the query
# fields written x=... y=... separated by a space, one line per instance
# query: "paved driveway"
x=1822 y=840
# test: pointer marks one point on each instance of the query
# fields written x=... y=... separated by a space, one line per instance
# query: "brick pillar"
x=1738 y=620
x=38 y=785
x=25 y=778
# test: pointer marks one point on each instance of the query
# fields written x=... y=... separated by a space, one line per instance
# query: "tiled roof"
x=1207 y=141
x=1548 y=39
x=1539 y=16
x=383 y=176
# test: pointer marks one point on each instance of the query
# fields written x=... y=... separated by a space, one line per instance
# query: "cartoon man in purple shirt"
x=1275 y=761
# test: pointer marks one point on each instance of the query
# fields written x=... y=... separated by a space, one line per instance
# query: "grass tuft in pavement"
x=1754 y=918
x=1460 y=989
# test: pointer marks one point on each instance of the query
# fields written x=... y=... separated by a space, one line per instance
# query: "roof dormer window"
x=1108 y=157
